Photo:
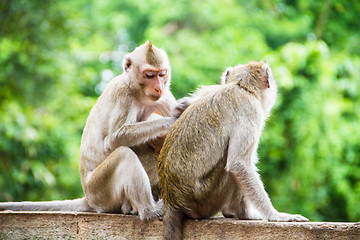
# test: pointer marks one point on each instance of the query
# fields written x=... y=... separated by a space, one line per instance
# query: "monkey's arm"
x=167 y=106
x=137 y=133
x=242 y=157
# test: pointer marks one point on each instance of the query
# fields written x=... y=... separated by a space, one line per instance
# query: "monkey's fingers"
x=181 y=106
x=157 y=143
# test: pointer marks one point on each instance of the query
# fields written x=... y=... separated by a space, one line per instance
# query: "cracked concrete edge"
x=61 y=225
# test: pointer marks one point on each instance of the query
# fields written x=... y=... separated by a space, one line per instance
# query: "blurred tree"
x=57 y=57
x=312 y=151
x=35 y=141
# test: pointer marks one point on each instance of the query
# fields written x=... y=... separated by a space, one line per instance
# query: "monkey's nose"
x=158 y=89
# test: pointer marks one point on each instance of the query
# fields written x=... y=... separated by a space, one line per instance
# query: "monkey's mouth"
x=155 y=97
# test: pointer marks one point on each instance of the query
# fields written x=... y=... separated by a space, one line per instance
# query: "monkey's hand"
x=157 y=143
x=181 y=106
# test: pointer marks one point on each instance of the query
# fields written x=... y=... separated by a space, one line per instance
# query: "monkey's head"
x=255 y=77
x=149 y=71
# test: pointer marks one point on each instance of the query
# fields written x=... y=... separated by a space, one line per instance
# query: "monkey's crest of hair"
x=148 y=55
x=152 y=56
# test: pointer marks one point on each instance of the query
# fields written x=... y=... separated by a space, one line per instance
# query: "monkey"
x=118 y=163
x=208 y=161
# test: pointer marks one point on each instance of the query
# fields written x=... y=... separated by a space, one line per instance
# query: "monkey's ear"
x=127 y=63
x=225 y=75
x=266 y=76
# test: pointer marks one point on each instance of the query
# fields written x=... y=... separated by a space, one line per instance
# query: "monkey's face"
x=153 y=82
x=149 y=71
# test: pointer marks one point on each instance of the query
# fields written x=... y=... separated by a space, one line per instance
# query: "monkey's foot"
x=155 y=212
x=286 y=217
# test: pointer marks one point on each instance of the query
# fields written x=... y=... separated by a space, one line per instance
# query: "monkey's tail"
x=173 y=224
x=76 y=205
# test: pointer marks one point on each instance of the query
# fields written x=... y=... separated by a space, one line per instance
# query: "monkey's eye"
x=149 y=74
x=162 y=73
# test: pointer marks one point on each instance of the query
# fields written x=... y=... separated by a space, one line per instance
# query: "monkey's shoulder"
x=223 y=103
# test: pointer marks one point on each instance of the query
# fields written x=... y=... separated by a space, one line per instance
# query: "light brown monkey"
x=207 y=163
x=118 y=166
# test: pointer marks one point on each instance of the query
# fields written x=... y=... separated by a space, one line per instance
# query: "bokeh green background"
x=57 y=56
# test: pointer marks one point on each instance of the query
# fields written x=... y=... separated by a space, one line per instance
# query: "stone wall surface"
x=51 y=225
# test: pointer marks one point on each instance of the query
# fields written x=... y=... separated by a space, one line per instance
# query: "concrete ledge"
x=50 y=225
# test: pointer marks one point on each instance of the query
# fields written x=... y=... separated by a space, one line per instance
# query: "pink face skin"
x=154 y=82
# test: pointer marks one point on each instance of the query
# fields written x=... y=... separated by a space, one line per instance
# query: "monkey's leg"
x=235 y=205
x=173 y=224
x=121 y=180
x=149 y=160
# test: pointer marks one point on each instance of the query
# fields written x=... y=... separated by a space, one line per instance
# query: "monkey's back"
x=189 y=168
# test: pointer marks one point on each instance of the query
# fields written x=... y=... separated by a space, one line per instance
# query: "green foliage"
x=314 y=143
x=39 y=129
x=56 y=57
